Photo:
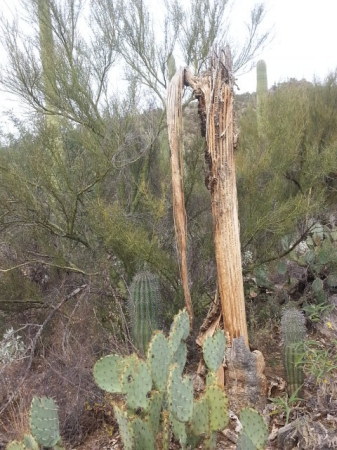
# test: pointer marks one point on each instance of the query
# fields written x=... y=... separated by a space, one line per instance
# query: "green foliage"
x=44 y=425
x=145 y=308
x=285 y=405
x=158 y=398
x=292 y=159
x=318 y=360
x=254 y=433
x=293 y=332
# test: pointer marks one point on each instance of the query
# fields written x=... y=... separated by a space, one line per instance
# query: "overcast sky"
x=303 y=45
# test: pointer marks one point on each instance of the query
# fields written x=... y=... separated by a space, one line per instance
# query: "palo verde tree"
x=112 y=145
x=293 y=157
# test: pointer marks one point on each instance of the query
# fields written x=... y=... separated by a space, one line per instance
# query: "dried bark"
x=214 y=91
x=174 y=122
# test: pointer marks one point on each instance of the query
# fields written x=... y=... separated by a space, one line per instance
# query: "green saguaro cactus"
x=145 y=305
x=293 y=334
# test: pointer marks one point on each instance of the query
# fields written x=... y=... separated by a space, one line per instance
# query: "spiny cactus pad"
x=179 y=331
x=108 y=371
x=214 y=350
x=180 y=395
x=200 y=418
x=136 y=382
x=158 y=357
x=30 y=443
x=154 y=409
x=15 y=445
x=254 y=433
x=180 y=356
x=218 y=408
x=143 y=434
x=125 y=427
x=44 y=422
x=179 y=430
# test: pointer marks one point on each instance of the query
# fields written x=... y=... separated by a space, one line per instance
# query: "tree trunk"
x=215 y=94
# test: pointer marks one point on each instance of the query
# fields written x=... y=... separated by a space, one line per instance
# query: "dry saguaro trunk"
x=214 y=91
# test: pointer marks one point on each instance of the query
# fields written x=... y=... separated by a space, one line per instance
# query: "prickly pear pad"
x=30 y=443
x=44 y=422
x=143 y=434
x=254 y=433
x=200 y=418
x=214 y=350
x=158 y=357
x=136 y=382
x=125 y=427
x=180 y=330
x=108 y=371
x=180 y=395
x=15 y=445
x=154 y=409
x=218 y=408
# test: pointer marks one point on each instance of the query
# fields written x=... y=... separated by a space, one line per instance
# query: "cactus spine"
x=162 y=399
x=293 y=333
x=145 y=308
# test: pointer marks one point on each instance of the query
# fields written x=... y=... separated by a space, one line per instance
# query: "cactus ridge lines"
x=144 y=308
x=293 y=332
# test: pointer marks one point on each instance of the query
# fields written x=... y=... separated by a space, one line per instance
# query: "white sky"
x=303 y=46
x=304 y=43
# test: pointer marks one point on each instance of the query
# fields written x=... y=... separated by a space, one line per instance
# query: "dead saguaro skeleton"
x=214 y=91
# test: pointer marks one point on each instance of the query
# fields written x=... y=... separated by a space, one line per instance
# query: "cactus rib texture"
x=145 y=306
x=293 y=332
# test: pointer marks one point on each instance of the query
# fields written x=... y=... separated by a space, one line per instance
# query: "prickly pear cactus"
x=158 y=356
x=108 y=371
x=180 y=395
x=136 y=382
x=125 y=427
x=254 y=433
x=30 y=443
x=145 y=305
x=159 y=399
x=293 y=332
x=214 y=350
x=179 y=331
x=44 y=422
x=15 y=445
